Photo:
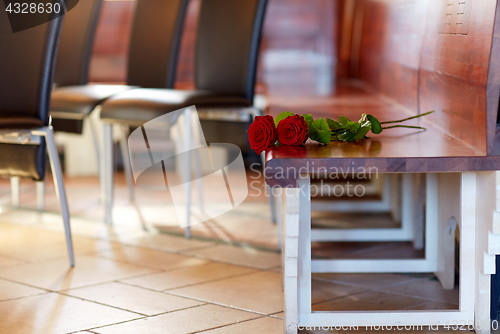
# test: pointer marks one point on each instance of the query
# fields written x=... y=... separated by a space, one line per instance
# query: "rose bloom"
x=262 y=133
x=292 y=131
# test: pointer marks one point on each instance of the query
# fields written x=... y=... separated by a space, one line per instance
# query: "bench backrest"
x=434 y=55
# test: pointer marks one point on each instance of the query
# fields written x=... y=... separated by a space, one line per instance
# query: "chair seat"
x=137 y=106
x=76 y=102
x=22 y=123
x=26 y=161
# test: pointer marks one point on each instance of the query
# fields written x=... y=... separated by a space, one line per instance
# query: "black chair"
x=27 y=61
x=152 y=62
x=227 y=47
x=75 y=47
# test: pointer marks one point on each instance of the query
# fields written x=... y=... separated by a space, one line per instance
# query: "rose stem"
x=404 y=126
x=407 y=119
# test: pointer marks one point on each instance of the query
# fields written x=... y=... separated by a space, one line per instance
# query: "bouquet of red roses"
x=290 y=129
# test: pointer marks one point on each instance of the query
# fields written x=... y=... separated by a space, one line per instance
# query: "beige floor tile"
x=30 y=218
x=370 y=281
x=249 y=257
x=425 y=288
x=188 y=276
x=150 y=258
x=326 y=290
x=280 y=315
x=433 y=305
x=81 y=246
x=133 y=298
x=162 y=242
x=8 y=262
x=79 y=226
x=192 y=320
x=11 y=290
x=258 y=292
x=276 y=270
x=96 y=228
x=262 y=325
x=57 y=275
x=362 y=330
x=14 y=238
x=342 y=220
x=394 y=250
x=53 y=314
x=371 y=300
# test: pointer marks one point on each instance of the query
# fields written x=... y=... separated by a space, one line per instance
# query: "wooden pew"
x=410 y=57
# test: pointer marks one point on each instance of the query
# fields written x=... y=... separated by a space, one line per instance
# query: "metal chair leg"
x=14 y=191
x=107 y=171
x=59 y=186
x=126 y=163
x=40 y=196
x=95 y=137
x=187 y=116
x=199 y=182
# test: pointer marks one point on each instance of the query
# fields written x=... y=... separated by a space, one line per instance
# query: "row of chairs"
x=226 y=54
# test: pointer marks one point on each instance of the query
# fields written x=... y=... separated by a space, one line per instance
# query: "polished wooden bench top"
x=395 y=150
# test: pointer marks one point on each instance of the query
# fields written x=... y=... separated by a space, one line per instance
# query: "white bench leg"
x=290 y=251
x=442 y=199
x=40 y=196
x=297 y=241
x=14 y=191
x=487 y=247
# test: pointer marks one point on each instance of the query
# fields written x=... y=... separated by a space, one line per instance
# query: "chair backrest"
x=155 y=42
x=227 y=46
x=27 y=61
x=77 y=39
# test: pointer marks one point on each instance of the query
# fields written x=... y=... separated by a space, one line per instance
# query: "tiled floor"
x=128 y=280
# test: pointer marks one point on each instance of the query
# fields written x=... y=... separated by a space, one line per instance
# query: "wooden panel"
x=493 y=91
x=390 y=47
x=454 y=70
x=456 y=17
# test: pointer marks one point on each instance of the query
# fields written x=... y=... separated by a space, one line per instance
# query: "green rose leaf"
x=320 y=124
x=376 y=127
x=324 y=136
x=346 y=136
x=320 y=131
x=343 y=120
x=309 y=121
x=352 y=126
x=281 y=117
x=334 y=125
x=363 y=131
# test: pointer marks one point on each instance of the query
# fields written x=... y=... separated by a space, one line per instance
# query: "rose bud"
x=292 y=131
x=262 y=133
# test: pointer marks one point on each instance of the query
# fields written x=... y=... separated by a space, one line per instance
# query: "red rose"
x=292 y=130
x=262 y=133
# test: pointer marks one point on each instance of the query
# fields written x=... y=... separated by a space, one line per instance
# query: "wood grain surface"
x=414 y=56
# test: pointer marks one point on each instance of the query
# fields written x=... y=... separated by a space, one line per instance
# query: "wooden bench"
x=409 y=57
